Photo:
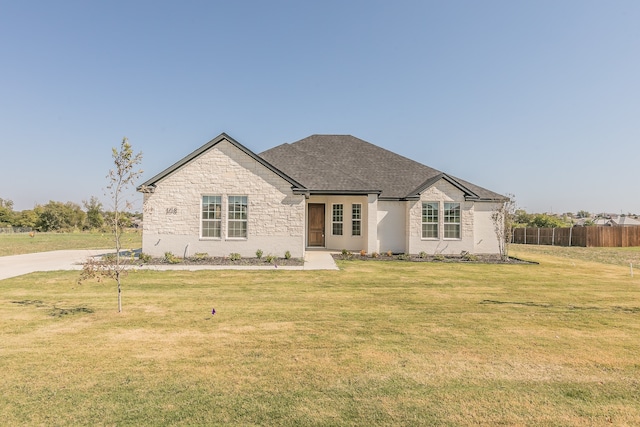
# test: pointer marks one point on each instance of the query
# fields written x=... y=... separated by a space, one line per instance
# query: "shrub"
x=200 y=255
x=438 y=257
x=469 y=257
x=404 y=257
x=171 y=258
x=389 y=253
x=422 y=255
x=235 y=256
x=259 y=254
x=270 y=258
x=144 y=257
x=346 y=254
x=363 y=253
x=287 y=255
x=375 y=255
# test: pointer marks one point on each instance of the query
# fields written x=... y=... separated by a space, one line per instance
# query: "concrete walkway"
x=17 y=265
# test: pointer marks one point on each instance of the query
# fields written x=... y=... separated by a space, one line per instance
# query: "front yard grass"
x=372 y=344
x=23 y=243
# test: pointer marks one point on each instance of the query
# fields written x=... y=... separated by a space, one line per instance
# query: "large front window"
x=336 y=219
x=211 y=216
x=237 y=219
x=430 y=220
x=452 y=220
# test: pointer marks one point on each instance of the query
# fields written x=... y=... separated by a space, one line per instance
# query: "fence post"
x=553 y=236
x=538 y=236
x=570 y=235
x=525 y=235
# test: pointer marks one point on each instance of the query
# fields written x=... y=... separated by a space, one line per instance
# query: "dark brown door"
x=316 y=224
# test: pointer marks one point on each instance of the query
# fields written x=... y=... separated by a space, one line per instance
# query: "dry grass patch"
x=22 y=243
x=372 y=344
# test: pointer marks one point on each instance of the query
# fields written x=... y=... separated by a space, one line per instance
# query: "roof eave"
x=151 y=183
x=468 y=194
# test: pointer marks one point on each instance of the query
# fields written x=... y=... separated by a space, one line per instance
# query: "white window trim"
x=337 y=222
x=459 y=224
x=201 y=237
x=228 y=219
x=356 y=220
x=437 y=223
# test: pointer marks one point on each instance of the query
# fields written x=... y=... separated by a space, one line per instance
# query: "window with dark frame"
x=337 y=219
x=356 y=219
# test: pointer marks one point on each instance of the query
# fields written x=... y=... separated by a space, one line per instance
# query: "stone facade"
x=173 y=212
x=477 y=233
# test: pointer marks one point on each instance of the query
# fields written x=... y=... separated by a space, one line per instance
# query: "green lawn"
x=23 y=243
x=373 y=344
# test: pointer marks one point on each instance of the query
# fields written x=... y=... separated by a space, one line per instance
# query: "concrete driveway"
x=17 y=265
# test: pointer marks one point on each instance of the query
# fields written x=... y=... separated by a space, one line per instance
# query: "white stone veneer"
x=172 y=214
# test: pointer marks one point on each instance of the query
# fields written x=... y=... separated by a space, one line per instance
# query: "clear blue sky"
x=536 y=98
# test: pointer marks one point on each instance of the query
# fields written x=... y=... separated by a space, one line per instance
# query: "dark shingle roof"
x=344 y=163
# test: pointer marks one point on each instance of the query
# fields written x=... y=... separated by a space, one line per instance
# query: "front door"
x=316 y=224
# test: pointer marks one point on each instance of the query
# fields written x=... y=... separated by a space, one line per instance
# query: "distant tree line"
x=62 y=217
x=543 y=220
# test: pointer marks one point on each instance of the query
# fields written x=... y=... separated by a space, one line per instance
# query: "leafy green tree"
x=95 y=219
x=58 y=216
x=546 y=221
x=7 y=215
x=521 y=218
x=27 y=218
x=121 y=179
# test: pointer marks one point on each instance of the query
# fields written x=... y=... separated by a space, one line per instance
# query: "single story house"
x=325 y=191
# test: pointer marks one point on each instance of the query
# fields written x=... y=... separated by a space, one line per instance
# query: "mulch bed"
x=467 y=259
x=293 y=262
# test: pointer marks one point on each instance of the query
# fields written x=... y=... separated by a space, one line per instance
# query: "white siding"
x=392 y=226
x=485 y=237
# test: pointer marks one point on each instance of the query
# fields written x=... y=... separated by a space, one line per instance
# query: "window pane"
x=337 y=213
x=452 y=231
x=211 y=215
x=237 y=229
x=356 y=210
x=452 y=212
x=337 y=229
x=430 y=220
x=237 y=220
x=211 y=229
x=356 y=216
x=337 y=217
x=452 y=220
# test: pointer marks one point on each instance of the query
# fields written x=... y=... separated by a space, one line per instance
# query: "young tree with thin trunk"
x=121 y=178
x=502 y=218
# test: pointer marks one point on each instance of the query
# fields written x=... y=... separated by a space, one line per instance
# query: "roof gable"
x=150 y=184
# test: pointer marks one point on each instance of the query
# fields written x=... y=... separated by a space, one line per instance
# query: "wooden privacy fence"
x=593 y=236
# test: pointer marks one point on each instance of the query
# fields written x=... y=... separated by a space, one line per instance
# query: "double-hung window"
x=451 y=220
x=337 y=217
x=211 y=216
x=237 y=218
x=356 y=219
x=430 y=223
